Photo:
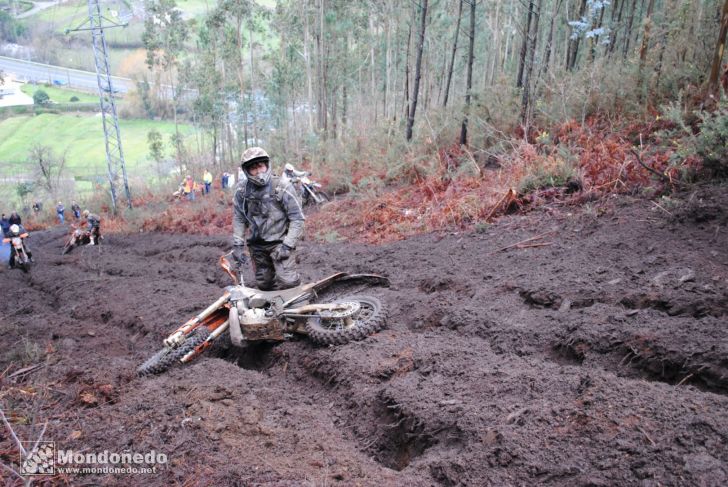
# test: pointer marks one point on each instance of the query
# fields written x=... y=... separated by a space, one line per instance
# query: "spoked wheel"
x=68 y=247
x=325 y=198
x=358 y=317
x=167 y=357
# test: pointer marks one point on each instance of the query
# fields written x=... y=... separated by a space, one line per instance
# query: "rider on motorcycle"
x=292 y=173
x=16 y=231
x=94 y=226
x=269 y=206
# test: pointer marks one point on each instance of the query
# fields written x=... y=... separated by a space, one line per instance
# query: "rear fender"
x=371 y=279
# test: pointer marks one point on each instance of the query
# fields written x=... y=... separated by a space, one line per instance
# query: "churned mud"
x=593 y=354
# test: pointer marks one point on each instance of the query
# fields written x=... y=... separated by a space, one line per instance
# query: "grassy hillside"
x=60 y=95
x=80 y=136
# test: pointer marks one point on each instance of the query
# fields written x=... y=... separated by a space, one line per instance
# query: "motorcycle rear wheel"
x=167 y=357
x=334 y=331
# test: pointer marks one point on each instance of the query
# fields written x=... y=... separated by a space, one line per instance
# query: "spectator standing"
x=37 y=207
x=207 y=179
x=76 y=210
x=4 y=224
x=15 y=219
x=189 y=188
x=224 y=180
x=60 y=210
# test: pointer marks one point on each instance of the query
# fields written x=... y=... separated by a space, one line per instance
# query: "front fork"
x=176 y=338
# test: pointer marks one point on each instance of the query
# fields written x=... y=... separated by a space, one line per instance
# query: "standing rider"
x=94 y=227
x=268 y=206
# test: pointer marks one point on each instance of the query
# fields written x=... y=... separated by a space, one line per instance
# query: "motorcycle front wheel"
x=67 y=248
x=325 y=198
x=167 y=357
x=339 y=328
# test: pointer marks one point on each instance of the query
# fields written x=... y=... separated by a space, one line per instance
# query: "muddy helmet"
x=252 y=156
x=14 y=229
x=85 y=213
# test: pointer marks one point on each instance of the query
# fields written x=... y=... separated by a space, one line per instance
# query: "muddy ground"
x=598 y=359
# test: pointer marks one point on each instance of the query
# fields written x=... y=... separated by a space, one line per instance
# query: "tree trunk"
x=407 y=72
x=309 y=75
x=387 y=68
x=526 y=96
x=373 y=88
x=615 y=34
x=469 y=87
x=719 y=50
x=418 y=70
x=452 y=55
x=574 y=44
x=643 y=50
x=524 y=46
x=594 y=42
x=497 y=34
x=628 y=32
x=549 y=40
x=253 y=107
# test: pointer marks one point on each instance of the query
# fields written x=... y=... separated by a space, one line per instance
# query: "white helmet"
x=14 y=229
x=288 y=167
x=252 y=156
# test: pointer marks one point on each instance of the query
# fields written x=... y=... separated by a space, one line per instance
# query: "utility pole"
x=96 y=23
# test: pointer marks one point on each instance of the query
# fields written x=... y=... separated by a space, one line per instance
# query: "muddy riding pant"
x=269 y=272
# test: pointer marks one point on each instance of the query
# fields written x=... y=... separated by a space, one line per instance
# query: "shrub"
x=702 y=135
x=74 y=98
x=547 y=173
x=40 y=97
x=711 y=143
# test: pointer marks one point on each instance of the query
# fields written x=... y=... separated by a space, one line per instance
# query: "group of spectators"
x=189 y=186
x=15 y=219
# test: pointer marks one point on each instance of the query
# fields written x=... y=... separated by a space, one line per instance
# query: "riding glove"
x=281 y=253
x=239 y=255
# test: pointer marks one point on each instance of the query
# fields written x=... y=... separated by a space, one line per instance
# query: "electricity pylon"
x=112 y=134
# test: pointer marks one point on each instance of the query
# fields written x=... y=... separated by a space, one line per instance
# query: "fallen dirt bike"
x=248 y=315
x=312 y=192
x=18 y=253
x=78 y=238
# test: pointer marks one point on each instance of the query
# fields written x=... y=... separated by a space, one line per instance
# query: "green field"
x=60 y=95
x=81 y=137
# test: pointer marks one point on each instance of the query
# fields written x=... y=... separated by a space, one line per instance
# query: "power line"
x=112 y=135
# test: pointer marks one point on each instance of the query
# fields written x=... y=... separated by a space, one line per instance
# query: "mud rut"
x=600 y=359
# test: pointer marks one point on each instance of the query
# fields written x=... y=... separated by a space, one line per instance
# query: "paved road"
x=39 y=6
x=47 y=73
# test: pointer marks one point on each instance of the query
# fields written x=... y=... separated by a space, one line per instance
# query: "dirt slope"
x=599 y=359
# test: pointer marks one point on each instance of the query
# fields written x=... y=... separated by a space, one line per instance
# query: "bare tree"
x=469 y=87
x=524 y=46
x=49 y=168
x=452 y=55
x=719 y=50
x=532 y=37
x=418 y=69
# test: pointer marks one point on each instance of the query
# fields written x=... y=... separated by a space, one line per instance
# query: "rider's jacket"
x=272 y=212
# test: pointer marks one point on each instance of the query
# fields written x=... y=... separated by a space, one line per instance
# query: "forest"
x=517 y=276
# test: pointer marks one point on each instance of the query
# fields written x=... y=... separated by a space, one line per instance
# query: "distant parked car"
x=59 y=82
